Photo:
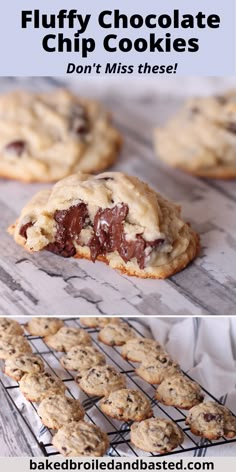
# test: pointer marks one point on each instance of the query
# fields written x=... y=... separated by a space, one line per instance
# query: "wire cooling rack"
x=117 y=431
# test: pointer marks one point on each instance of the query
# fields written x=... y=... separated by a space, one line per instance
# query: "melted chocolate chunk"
x=69 y=225
x=110 y=236
x=108 y=226
x=23 y=230
x=71 y=221
x=16 y=147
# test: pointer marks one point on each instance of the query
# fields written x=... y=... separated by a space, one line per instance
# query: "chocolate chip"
x=107 y=402
x=163 y=360
x=231 y=127
x=105 y=179
x=210 y=417
x=195 y=110
x=221 y=99
x=79 y=121
x=81 y=129
x=23 y=229
x=88 y=449
x=16 y=147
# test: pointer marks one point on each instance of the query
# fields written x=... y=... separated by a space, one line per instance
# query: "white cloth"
x=206 y=350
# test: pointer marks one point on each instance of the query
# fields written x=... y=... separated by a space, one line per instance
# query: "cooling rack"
x=117 y=431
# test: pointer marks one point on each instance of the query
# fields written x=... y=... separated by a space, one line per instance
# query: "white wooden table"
x=50 y=285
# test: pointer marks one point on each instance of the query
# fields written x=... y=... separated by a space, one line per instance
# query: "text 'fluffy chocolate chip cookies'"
x=201 y=138
x=111 y=217
x=47 y=136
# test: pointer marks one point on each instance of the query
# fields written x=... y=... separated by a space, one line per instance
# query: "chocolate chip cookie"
x=59 y=410
x=110 y=217
x=156 y=435
x=16 y=367
x=66 y=338
x=9 y=326
x=101 y=380
x=155 y=371
x=82 y=358
x=36 y=387
x=127 y=405
x=139 y=349
x=97 y=322
x=47 y=136
x=80 y=439
x=201 y=138
x=13 y=346
x=179 y=391
x=116 y=334
x=43 y=326
x=212 y=421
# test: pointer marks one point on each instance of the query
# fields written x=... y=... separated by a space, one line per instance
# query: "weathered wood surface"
x=15 y=437
x=49 y=285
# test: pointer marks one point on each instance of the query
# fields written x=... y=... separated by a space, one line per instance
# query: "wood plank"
x=15 y=438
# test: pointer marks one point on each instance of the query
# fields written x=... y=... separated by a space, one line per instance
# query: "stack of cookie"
x=66 y=415
x=209 y=419
x=93 y=376
x=13 y=345
x=76 y=437
x=132 y=405
x=56 y=410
